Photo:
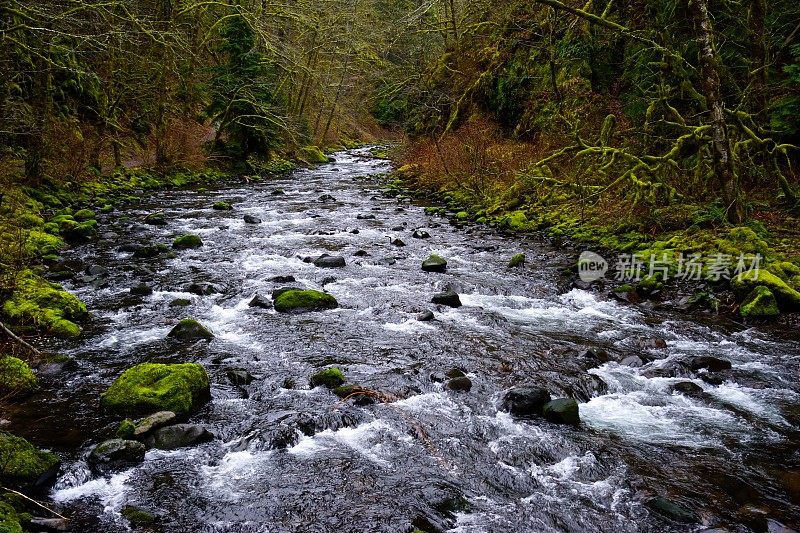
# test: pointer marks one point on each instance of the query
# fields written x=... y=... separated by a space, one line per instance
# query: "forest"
x=165 y=165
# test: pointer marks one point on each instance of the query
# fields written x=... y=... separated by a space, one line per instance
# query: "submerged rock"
x=561 y=411
x=672 y=510
x=137 y=517
x=141 y=290
x=189 y=329
x=282 y=279
x=425 y=316
x=22 y=465
x=447 y=297
x=150 y=251
x=149 y=387
x=202 y=288
x=116 y=454
x=330 y=377
x=299 y=300
x=239 y=376
x=525 y=401
x=710 y=363
x=434 y=263
x=460 y=383
x=178 y=436
x=156 y=219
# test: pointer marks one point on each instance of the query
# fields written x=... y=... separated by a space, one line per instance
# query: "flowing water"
x=439 y=459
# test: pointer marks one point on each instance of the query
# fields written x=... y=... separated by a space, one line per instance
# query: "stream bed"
x=422 y=456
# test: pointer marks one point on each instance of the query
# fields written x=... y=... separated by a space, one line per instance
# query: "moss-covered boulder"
x=151 y=250
x=299 y=300
x=517 y=260
x=156 y=219
x=150 y=387
x=9 y=518
x=787 y=298
x=44 y=306
x=138 y=517
x=312 y=155
x=760 y=303
x=116 y=454
x=435 y=263
x=83 y=215
x=190 y=329
x=187 y=241
x=222 y=206
x=330 y=377
x=23 y=465
x=562 y=411
x=78 y=232
x=16 y=377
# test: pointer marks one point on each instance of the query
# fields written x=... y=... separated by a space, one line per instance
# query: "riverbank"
x=678 y=252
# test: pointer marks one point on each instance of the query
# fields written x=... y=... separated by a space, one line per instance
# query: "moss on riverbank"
x=670 y=235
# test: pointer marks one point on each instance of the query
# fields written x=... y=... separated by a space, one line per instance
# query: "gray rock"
x=633 y=361
x=461 y=383
x=141 y=290
x=153 y=422
x=398 y=242
x=250 y=219
x=425 y=316
x=448 y=297
x=239 y=376
x=329 y=261
x=260 y=301
x=525 y=401
x=421 y=234
x=178 y=436
x=116 y=454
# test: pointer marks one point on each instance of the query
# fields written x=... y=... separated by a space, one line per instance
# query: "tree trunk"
x=710 y=85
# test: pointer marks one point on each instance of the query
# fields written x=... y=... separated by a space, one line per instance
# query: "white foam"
x=111 y=491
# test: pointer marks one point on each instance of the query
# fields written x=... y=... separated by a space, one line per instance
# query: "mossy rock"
x=312 y=155
x=760 y=303
x=561 y=411
x=150 y=251
x=150 y=387
x=222 y=206
x=45 y=306
x=126 y=429
x=83 y=215
x=330 y=377
x=187 y=241
x=9 y=519
x=299 y=300
x=462 y=215
x=78 y=232
x=190 y=329
x=137 y=517
x=435 y=263
x=16 y=377
x=788 y=299
x=21 y=464
x=180 y=302
x=516 y=221
x=517 y=261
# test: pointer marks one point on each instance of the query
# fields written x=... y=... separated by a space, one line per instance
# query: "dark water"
x=439 y=459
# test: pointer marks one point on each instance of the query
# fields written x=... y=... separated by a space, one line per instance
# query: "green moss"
x=20 y=462
x=126 y=429
x=41 y=243
x=517 y=261
x=42 y=305
x=462 y=215
x=304 y=300
x=760 y=303
x=651 y=283
x=187 y=241
x=330 y=377
x=312 y=155
x=222 y=206
x=84 y=215
x=16 y=377
x=136 y=516
x=9 y=519
x=150 y=387
x=78 y=232
x=180 y=302
x=516 y=221
x=787 y=298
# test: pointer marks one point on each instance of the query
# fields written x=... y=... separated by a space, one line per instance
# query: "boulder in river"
x=156 y=219
x=300 y=300
x=688 y=388
x=178 y=436
x=202 y=288
x=141 y=289
x=398 y=242
x=150 y=251
x=710 y=363
x=250 y=219
x=525 y=401
x=434 y=263
x=180 y=302
x=282 y=279
x=222 y=206
x=330 y=378
x=460 y=383
x=425 y=316
x=561 y=411
x=517 y=261
x=421 y=234
x=148 y=424
x=24 y=466
x=16 y=377
x=149 y=387
x=116 y=454
x=260 y=301
x=239 y=376
x=786 y=296
x=189 y=329
x=448 y=297
x=329 y=261
x=187 y=241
